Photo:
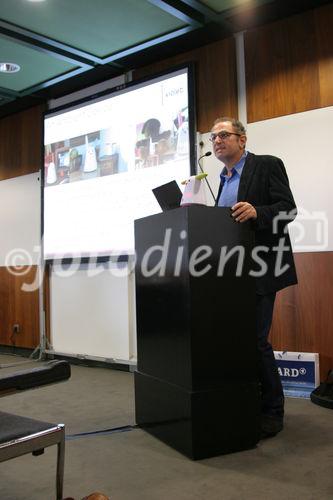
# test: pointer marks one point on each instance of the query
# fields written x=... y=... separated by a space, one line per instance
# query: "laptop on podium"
x=168 y=195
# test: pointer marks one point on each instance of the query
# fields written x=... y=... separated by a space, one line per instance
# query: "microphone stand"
x=210 y=189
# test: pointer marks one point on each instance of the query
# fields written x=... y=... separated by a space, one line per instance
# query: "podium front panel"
x=196 y=386
x=195 y=331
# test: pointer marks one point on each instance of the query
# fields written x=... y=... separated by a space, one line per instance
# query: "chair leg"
x=60 y=467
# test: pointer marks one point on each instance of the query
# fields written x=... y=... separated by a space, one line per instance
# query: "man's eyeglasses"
x=222 y=135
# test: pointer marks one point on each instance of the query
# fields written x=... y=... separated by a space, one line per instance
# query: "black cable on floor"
x=102 y=432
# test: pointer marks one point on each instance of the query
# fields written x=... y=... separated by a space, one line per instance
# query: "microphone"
x=210 y=189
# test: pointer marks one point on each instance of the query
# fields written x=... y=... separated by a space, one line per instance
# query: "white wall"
x=303 y=141
x=20 y=220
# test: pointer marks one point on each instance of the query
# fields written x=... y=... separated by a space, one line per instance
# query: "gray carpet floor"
x=295 y=465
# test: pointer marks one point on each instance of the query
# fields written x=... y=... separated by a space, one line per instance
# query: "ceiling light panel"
x=100 y=28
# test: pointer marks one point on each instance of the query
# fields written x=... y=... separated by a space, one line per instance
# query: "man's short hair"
x=234 y=122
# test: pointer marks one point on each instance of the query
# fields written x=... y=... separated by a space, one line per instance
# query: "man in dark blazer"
x=257 y=190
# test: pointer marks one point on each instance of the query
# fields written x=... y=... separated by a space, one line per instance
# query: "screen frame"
x=109 y=93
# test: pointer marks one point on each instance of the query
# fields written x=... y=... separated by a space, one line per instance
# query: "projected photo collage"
x=97 y=154
x=81 y=158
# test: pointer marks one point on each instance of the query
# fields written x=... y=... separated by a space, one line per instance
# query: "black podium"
x=196 y=384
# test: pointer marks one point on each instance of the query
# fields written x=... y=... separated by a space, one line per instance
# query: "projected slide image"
x=103 y=157
x=81 y=158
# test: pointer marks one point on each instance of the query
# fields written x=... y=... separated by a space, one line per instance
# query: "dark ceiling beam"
x=210 y=14
x=7 y=93
x=42 y=47
x=146 y=45
x=5 y=100
x=55 y=55
x=7 y=96
x=181 y=11
x=53 y=47
x=52 y=81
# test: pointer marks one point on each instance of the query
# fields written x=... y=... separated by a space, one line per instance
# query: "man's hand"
x=243 y=211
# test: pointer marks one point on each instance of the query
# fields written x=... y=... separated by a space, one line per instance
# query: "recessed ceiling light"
x=8 y=67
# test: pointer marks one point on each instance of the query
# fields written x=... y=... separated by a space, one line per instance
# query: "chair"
x=21 y=435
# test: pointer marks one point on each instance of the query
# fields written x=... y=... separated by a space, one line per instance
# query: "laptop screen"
x=168 y=195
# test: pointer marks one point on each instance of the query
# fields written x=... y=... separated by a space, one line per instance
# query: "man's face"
x=229 y=148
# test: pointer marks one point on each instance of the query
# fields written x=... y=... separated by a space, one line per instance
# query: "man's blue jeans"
x=271 y=387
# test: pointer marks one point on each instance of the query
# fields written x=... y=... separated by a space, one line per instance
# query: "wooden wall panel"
x=324 y=38
x=18 y=307
x=216 y=80
x=289 y=65
x=303 y=315
x=284 y=331
x=6 y=307
x=21 y=143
